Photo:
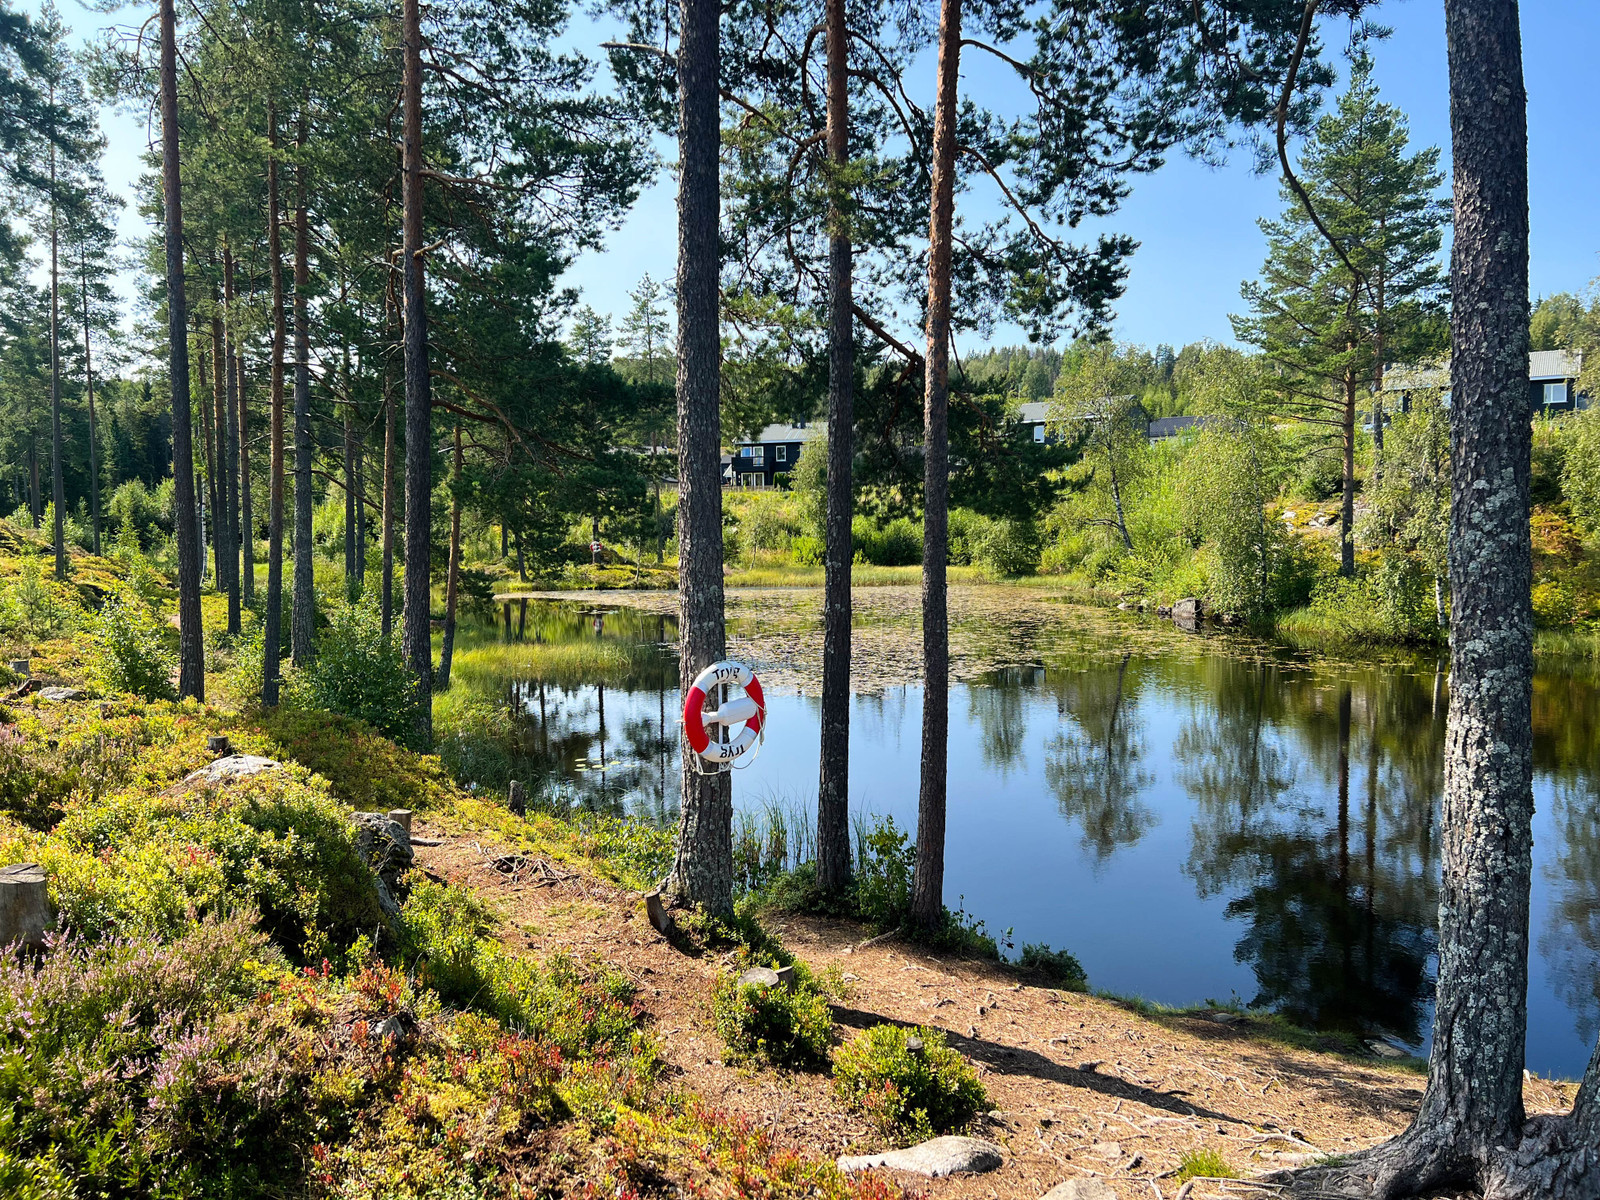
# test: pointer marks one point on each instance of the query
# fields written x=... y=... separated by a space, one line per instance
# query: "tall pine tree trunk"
x=304 y=586
x=1471 y=1131
x=1347 y=501
x=57 y=485
x=272 y=624
x=191 y=638
x=453 y=574
x=351 y=514
x=833 y=785
x=247 y=526
x=702 y=870
x=927 y=890
x=230 y=444
x=227 y=557
x=386 y=600
x=94 y=427
x=415 y=641
x=208 y=440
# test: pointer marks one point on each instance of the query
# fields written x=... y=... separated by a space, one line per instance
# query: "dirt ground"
x=1081 y=1087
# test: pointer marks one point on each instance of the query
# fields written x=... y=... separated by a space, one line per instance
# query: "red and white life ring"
x=749 y=707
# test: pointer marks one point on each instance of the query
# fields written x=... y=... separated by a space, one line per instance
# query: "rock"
x=391 y=1029
x=759 y=977
x=1385 y=1050
x=24 y=905
x=1225 y=1018
x=386 y=847
x=1186 y=610
x=62 y=694
x=1106 y=1150
x=1126 y=607
x=937 y=1158
x=1080 y=1189
x=235 y=766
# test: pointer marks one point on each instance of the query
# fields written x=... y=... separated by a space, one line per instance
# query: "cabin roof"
x=806 y=432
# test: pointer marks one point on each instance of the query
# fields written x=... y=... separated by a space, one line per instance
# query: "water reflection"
x=1249 y=825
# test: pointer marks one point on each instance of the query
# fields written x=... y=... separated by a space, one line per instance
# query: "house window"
x=1038 y=433
x=782 y=454
x=1555 y=393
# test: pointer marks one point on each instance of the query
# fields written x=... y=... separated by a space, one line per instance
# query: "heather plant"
x=910 y=1091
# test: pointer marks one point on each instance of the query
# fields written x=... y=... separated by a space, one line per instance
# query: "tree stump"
x=402 y=818
x=656 y=910
x=517 y=800
x=21 y=666
x=24 y=905
x=219 y=745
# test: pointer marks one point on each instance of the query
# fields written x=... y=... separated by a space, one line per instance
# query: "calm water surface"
x=1192 y=826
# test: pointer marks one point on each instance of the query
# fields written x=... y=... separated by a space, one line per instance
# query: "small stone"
x=1384 y=1049
x=62 y=694
x=1080 y=1189
x=936 y=1158
x=1225 y=1018
x=1106 y=1150
x=390 y=1029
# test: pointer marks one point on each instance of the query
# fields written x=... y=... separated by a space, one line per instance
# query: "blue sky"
x=1196 y=224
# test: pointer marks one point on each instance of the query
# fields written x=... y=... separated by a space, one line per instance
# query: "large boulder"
x=936 y=1158
x=232 y=768
x=1186 y=613
x=386 y=846
x=1080 y=1189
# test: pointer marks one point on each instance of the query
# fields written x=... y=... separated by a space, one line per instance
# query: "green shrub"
x=1202 y=1164
x=358 y=673
x=1008 y=547
x=131 y=651
x=765 y=522
x=897 y=544
x=884 y=866
x=145 y=514
x=33 y=605
x=807 y=550
x=147 y=863
x=1059 y=966
x=779 y=1026
x=967 y=531
x=1320 y=475
x=909 y=1093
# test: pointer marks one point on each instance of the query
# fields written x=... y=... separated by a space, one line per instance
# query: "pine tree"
x=1332 y=314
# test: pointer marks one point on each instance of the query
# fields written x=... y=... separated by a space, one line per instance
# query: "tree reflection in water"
x=1570 y=940
x=1093 y=766
x=1336 y=939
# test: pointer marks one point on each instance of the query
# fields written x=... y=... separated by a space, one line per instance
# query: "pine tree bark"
x=247 y=526
x=386 y=600
x=1347 y=495
x=453 y=573
x=57 y=486
x=227 y=558
x=702 y=870
x=272 y=624
x=833 y=785
x=351 y=513
x=304 y=611
x=927 y=887
x=230 y=444
x=1471 y=1130
x=191 y=638
x=415 y=641
x=94 y=427
x=208 y=444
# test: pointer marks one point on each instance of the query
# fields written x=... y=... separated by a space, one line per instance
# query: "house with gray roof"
x=761 y=461
x=1552 y=382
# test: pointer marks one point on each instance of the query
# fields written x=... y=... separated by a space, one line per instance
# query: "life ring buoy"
x=751 y=708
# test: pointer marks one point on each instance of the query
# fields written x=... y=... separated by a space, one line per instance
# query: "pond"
x=1196 y=818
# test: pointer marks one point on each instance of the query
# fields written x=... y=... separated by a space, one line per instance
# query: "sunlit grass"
x=559 y=662
x=1203 y=1164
